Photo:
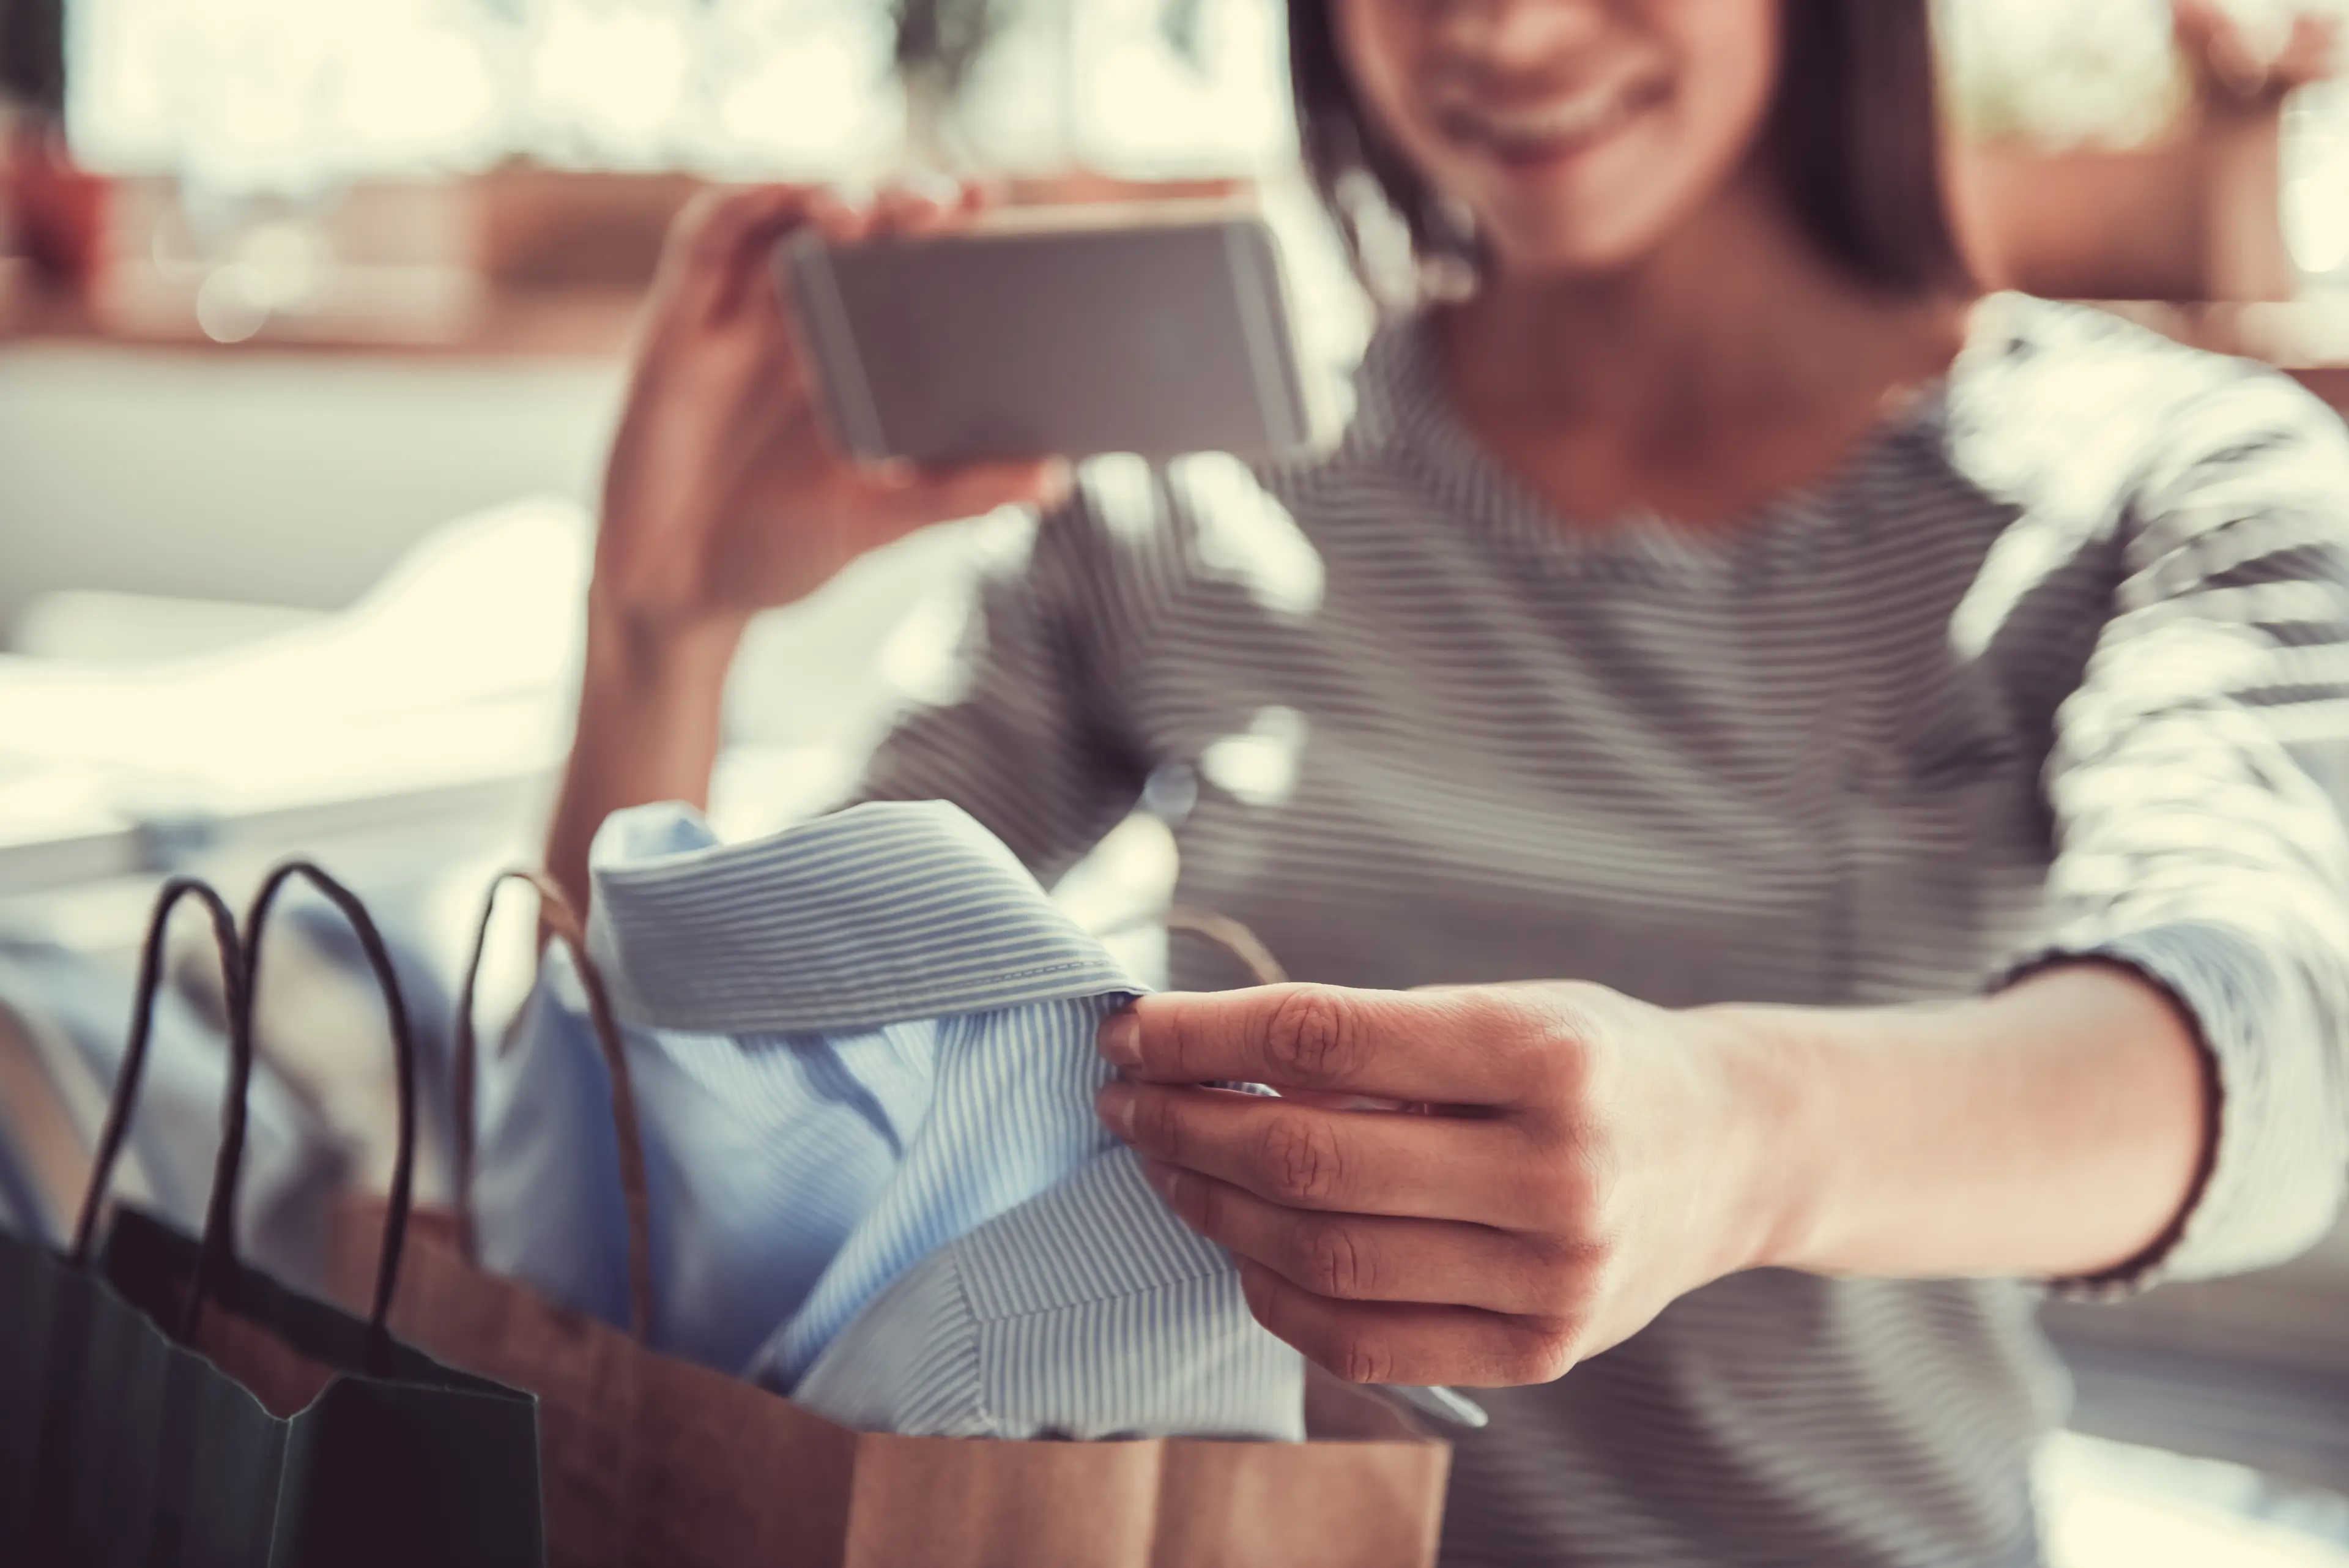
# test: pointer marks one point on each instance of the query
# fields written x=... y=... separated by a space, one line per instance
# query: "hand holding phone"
x=725 y=493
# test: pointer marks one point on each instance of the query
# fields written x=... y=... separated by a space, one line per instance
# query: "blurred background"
x=312 y=324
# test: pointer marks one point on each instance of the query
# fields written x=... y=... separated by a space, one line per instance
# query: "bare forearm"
x=2056 y=1128
x=650 y=709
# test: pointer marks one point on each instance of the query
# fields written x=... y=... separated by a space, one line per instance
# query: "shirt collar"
x=883 y=913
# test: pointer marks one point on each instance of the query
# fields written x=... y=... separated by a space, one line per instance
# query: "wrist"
x=663 y=658
x=1781 y=1156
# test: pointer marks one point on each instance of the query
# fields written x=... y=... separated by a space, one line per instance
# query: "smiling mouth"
x=1555 y=128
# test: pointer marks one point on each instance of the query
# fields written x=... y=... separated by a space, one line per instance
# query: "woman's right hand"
x=726 y=493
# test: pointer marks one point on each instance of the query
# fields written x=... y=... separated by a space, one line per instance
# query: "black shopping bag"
x=172 y=1406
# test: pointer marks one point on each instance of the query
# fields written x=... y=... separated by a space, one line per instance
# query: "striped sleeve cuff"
x=2274 y=1176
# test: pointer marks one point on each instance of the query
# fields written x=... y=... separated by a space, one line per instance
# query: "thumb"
x=969 y=490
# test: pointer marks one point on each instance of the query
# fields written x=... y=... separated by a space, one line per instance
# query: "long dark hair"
x=1855 y=132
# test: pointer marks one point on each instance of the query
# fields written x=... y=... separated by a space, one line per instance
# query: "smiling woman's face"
x=1580 y=133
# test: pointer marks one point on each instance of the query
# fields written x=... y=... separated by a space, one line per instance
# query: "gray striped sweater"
x=2058 y=663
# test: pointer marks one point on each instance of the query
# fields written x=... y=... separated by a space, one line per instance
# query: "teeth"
x=1569 y=119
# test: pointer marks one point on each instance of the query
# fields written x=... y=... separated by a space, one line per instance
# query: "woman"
x=1850 y=759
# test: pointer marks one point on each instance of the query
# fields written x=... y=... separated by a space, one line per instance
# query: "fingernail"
x=1120 y=1039
x=1162 y=1178
x=1114 y=1104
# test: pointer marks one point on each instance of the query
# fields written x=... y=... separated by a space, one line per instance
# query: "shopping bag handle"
x=560 y=921
x=219 y=1254
x=133 y=1068
x=1224 y=931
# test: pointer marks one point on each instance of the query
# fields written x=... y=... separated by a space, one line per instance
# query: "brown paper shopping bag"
x=650 y=1460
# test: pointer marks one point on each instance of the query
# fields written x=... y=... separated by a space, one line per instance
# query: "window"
x=289 y=95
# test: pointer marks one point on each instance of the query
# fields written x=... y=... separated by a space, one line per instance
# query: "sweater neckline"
x=1406 y=407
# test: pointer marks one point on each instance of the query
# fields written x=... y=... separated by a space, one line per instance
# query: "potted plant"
x=934 y=45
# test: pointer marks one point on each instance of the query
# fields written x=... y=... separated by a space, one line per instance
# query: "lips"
x=1552 y=127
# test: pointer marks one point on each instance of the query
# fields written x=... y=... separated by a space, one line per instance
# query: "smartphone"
x=1153 y=332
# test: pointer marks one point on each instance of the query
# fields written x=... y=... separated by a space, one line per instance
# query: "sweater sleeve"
x=1027 y=732
x=2196 y=782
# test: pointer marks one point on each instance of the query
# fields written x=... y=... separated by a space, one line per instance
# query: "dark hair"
x=1855 y=132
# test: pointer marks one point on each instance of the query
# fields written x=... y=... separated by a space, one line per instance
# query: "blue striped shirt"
x=863 y=1057
x=1088 y=1311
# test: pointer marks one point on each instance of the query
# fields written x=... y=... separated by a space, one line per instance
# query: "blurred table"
x=440 y=698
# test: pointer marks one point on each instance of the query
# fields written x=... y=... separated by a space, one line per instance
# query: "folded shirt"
x=863 y=1054
x=1089 y=1311
x=764 y=1144
x=761 y=1155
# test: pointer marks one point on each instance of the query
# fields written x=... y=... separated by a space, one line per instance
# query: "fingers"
x=718 y=267
x=903 y=210
x=971 y=490
x=841 y=218
x=1363 y=1162
x=712 y=232
x=714 y=266
x=1358 y=1257
x=712 y=224
x=2313 y=52
x=1386 y=1342
x=718 y=229
x=838 y=215
x=1474 y=1046
x=930 y=207
x=720 y=244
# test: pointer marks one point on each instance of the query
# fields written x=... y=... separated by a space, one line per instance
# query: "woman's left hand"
x=1588 y=1160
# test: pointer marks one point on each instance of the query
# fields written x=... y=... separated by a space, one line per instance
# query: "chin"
x=1598 y=236
x=1568 y=255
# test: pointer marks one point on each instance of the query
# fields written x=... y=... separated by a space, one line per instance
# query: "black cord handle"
x=559 y=922
x=1235 y=939
x=132 y=1069
x=219 y=1253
